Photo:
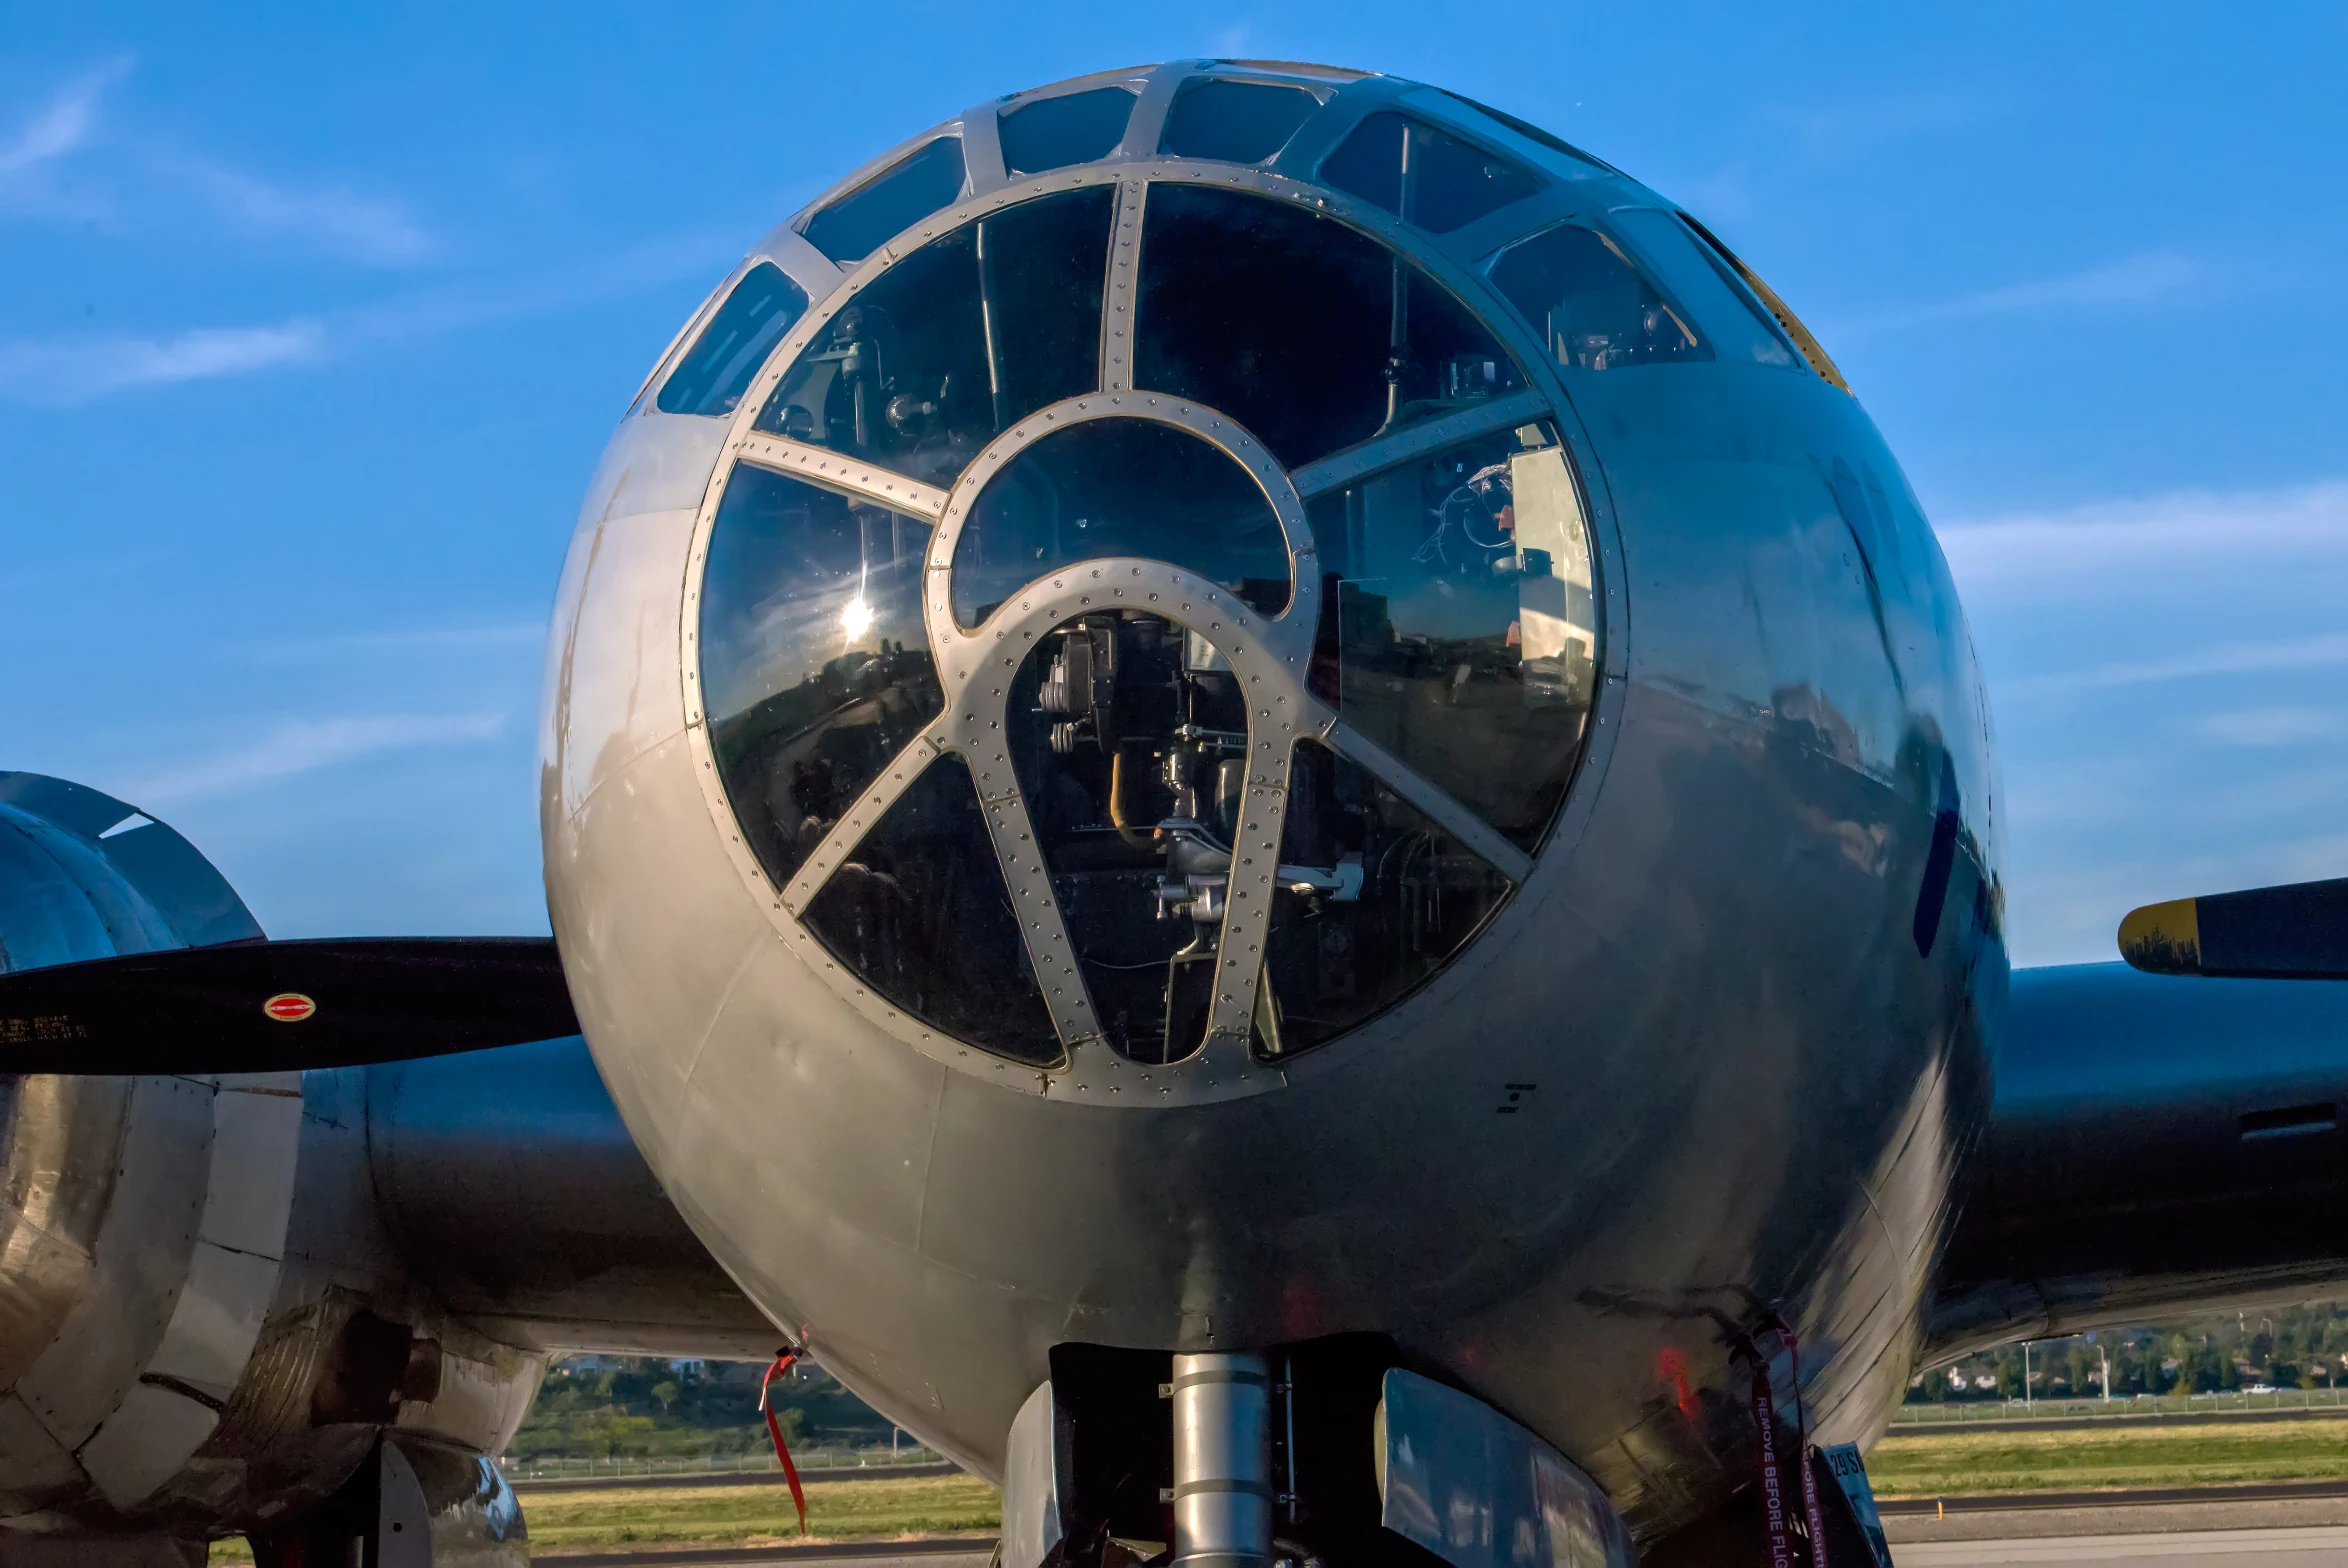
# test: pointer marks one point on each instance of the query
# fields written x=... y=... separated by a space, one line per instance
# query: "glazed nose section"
x=1133 y=745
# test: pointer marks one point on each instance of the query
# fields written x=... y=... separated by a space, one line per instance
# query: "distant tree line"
x=2272 y=1347
x=601 y=1407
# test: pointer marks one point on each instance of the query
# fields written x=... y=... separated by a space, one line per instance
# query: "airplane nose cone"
x=1130 y=704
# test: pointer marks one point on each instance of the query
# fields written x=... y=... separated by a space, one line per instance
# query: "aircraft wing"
x=2168 y=1134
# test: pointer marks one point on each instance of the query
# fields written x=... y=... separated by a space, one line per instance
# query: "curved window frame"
x=1216 y=1072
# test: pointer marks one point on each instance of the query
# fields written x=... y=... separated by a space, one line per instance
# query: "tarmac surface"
x=2230 y=1527
x=2318 y=1546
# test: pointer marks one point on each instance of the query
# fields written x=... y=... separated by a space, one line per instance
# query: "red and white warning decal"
x=289 y=1007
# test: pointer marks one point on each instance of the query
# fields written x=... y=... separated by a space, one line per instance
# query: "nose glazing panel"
x=954 y=344
x=1119 y=487
x=921 y=914
x=1145 y=759
x=1458 y=631
x=815 y=666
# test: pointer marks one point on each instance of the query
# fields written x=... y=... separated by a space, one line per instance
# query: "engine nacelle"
x=219 y=1293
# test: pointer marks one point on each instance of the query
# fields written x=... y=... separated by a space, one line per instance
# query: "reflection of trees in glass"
x=1401 y=897
x=922 y=914
x=814 y=661
x=796 y=761
x=1459 y=630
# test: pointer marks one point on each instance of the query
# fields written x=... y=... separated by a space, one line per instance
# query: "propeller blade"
x=254 y=1007
x=2298 y=932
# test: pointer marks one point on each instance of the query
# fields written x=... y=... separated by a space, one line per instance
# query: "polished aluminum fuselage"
x=1705 y=1065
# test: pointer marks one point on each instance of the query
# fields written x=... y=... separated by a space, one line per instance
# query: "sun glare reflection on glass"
x=856 y=619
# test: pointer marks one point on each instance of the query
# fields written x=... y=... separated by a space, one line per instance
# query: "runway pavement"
x=2321 y=1546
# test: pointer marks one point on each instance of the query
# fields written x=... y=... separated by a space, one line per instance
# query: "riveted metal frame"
x=1224 y=1067
x=883 y=486
x=1412 y=441
x=1456 y=819
x=871 y=169
x=1119 y=319
x=1270 y=655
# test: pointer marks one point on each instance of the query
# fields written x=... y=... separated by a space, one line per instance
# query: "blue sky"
x=315 y=319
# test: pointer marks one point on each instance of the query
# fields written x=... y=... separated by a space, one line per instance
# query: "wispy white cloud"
x=2071 y=914
x=307 y=745
x=2273 y=727
x=2185 y=532
x=369 y=229
x=65 y=371
x=1858 y=123
x=80 y=569
x=653 y=264
x=409 y=641
x=62 y=125
x=141 y=179
x=2324 y=652
x=2134 y=281
x=80 y=369
x=2143 y=279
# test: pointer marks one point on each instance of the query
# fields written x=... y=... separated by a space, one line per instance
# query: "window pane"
x=1374 y=897
x=964 y=337
x=1422 y=175
x=1806 y=344
x=1739 y=331
x=1119 y=487
x=814 y=665
x=1052 y=133
x=923 y=916
x=1290 y=322
x=1236 y=122
x=1590 y=304
x=1457 y=614
x=712 y=376
x=1590 y=168
x=889 y=203
x=1129 y=739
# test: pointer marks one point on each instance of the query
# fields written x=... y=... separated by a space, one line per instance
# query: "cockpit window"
x=1314 y=335
x=1119 y=487
x=889 y=203
x=921 y=913
x=1373 y=897
x=1052 y=133
x=1234 y=122
x=1582 y=167
x=815 y=669
x=716 y=370
x=1799 y=335
x=1738 y=327
x=1458 y=629
x=1590 y=303
x=1423 y=175
x=967 y=335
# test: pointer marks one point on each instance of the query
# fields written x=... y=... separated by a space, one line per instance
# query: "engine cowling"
x=218 y=1294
